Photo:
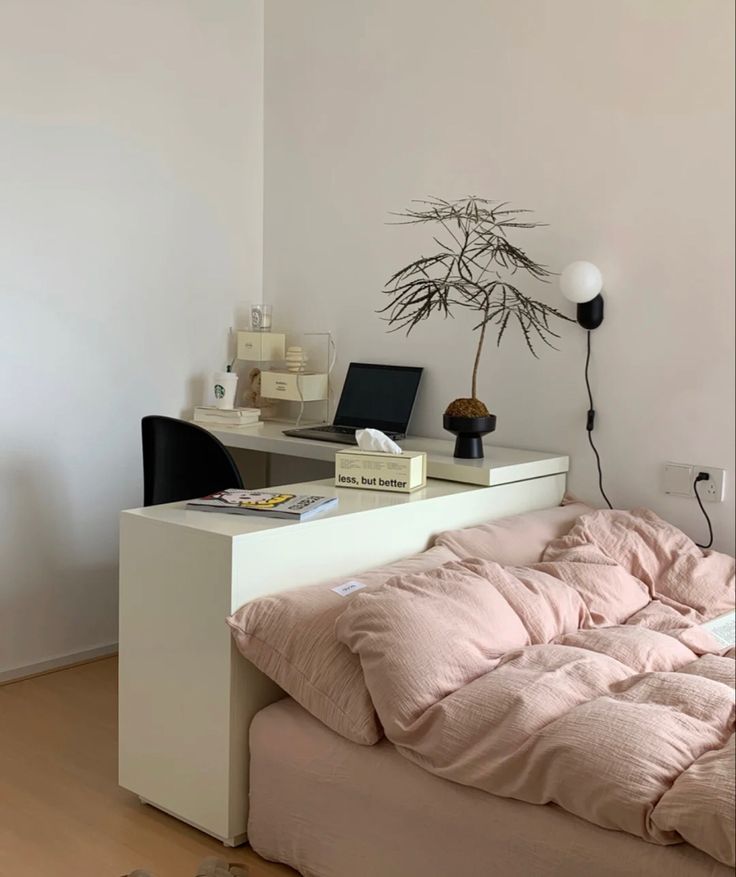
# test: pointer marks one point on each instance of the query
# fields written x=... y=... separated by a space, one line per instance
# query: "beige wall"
x=613 y=119
x=130 y=226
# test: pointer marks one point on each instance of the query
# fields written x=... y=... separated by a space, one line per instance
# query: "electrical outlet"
x=679 y=479
x=712 y=490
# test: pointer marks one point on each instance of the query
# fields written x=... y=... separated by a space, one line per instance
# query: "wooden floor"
x=62 y=813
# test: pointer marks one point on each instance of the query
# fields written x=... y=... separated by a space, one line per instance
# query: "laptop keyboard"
x=350 y=430
x=331 y=433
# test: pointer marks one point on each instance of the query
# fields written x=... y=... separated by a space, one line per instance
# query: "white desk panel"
x=499 y=466
x=187 y=697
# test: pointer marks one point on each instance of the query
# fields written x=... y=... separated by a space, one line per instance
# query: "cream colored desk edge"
x=499 y=466
x=187 y=697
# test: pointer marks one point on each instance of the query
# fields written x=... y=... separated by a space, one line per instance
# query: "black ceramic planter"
x=469 y=432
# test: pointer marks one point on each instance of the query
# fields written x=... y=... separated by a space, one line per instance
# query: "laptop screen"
x=378 y=396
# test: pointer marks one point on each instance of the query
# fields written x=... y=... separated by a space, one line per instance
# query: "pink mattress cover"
x=332 y=808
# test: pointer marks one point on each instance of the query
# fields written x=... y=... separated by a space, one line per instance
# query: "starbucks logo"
x=219 y=391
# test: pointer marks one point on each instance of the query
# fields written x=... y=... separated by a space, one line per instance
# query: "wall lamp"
x=581 y=283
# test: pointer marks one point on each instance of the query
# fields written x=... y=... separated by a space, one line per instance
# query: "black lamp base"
x=590 y=313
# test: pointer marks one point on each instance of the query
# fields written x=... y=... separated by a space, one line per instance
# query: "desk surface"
x=350 y=502
x=499 y=466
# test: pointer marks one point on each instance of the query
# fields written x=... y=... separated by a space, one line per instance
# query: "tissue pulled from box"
x=375 y=440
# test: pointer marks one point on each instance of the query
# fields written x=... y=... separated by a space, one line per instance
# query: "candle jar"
x=260 y=317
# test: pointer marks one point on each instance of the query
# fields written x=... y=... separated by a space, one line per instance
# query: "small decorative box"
x=294 y=386
x=371 y=470
x=261 y=346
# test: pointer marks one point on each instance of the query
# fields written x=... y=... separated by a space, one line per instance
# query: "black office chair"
x=183 y=461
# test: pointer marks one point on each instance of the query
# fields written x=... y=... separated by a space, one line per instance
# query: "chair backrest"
x=183 y=461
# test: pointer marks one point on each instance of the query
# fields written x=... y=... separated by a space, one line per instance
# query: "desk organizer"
x=286 y=374
x=294 y=386
x=299 y=383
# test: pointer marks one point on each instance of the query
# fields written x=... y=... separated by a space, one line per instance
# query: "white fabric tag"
x=348 y=588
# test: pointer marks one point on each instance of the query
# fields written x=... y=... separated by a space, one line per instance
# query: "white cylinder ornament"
x=296 y=359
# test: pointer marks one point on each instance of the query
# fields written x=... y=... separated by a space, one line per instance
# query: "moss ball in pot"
x=469 y=420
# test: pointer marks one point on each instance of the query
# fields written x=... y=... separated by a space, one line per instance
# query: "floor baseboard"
x=62 y=663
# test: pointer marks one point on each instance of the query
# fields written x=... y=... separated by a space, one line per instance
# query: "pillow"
x=290 y=636
x=519 y=540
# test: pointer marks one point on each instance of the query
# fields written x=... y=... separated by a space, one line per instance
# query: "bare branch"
x=474 y=274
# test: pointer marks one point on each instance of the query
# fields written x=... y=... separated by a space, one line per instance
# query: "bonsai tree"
x=475 y=268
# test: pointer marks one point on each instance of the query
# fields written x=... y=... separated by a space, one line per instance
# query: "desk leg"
x=186 y=695
x=235 y=841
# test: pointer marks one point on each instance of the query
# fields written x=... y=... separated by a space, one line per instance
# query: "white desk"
x=499 y=466
x=187 y=697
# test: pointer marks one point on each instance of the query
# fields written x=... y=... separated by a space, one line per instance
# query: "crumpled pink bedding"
x=581 y=680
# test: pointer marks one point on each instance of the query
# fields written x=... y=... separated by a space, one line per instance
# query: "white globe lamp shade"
x=581 y=282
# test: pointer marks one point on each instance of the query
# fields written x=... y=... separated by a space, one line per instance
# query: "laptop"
x=376 y=396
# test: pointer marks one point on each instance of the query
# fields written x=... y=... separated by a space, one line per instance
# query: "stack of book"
x=227 y=416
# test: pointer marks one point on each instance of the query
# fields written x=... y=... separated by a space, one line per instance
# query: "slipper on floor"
x=213 y=867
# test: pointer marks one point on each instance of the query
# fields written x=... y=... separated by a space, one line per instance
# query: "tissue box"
x=371 y=470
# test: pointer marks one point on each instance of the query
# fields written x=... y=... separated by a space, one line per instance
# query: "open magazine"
x=266 y=504
x=723 y=628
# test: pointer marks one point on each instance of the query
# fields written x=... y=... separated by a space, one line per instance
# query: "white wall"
x=130 y=227
x=613 y=120
x=131 y=149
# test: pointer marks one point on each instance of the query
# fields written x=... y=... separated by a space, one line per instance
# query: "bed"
x=331 y=796
x=331 y=808
x=191 y=703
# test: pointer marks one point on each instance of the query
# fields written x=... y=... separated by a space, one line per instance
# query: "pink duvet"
x=580 y=680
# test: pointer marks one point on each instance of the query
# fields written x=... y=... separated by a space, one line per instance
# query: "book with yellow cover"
x=265 y=503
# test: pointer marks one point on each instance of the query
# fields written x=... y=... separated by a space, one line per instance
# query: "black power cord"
x=703 y=476
x=590 y=426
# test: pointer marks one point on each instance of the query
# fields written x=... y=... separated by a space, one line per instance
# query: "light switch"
x=678 y=479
